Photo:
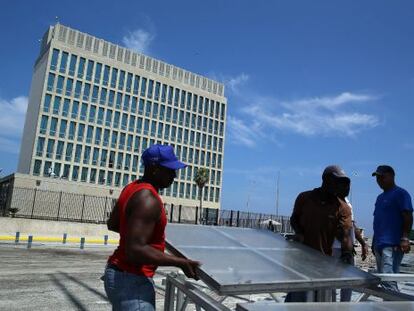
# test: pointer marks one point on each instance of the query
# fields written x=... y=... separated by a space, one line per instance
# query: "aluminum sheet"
x=323 y=306
x=242 y=260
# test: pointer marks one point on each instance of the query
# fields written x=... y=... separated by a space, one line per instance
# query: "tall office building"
x=95 y=106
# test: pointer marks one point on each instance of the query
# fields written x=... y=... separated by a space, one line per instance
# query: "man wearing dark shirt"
x=320 y=215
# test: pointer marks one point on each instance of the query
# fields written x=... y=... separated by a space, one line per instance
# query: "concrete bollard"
x=105 y=239
x=17 y=237
x=29 y=241
x=82 y=243
x=65 y=236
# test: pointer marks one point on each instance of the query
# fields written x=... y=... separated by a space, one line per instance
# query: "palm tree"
x=201 y=179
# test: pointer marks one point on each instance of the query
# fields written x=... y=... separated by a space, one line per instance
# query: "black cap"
x=384 y=169
x=334 y=170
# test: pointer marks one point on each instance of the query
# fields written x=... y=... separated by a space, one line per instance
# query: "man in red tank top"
x=139 y=218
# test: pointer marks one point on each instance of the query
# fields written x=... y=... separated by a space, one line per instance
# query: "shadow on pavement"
x=86 y=286
x=68 y=294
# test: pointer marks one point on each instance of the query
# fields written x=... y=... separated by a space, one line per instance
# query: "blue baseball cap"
x=162 y=155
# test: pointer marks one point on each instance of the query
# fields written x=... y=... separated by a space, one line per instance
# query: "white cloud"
x=241 y=133
x=234 y=83
x=328 y=116
x=138 y=40
x=12 y=115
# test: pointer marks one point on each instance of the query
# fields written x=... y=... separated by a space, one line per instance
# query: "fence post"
x=196 y=215
x=34 y=202
x=65 y=236
x=105 y=239
x=179 y=213
x=82 y=243
x=83 y=207
x=172 y=212
x=106 y=204
x=60 y=201
x=238 y=218
x=29 y=241
x=231 y=219
x=217 y=216
x=16 y=240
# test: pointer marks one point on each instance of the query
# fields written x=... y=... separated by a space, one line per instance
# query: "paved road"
x=52 y=277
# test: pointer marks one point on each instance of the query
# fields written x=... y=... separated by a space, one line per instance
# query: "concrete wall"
x=50 y=228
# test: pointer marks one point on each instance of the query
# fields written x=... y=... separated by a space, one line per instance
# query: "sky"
x=308 y=83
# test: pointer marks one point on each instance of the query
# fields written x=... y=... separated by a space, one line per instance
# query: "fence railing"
x=65 y=206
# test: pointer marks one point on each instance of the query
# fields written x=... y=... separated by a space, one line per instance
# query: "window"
x=108 y=118
x=59 y=150
x=84 y=111
x=47 y=168
x=72 y=129
x=63 y=62
x=89 y=134
x=43 y=124
x=54 y=60
x=139 y=125
x=136 y=85
x=106 y=137
x=56 y=105
x=78 y=153
x=101 y=177
x=69 y=87
x=66 y=169
x=75 y=109
x=106 y=75
x=81 y=131
x=78 y=89
x=95 y=94
x=92 y=113
x=157 y=91
x=100 y=115
x=89 y=70
x=126 y=103
x=121 y=141
x=75 y=173
x=114 y=77
x=81 y=67
x=134 y=105
x=150 y=88
x=155 y=110
x=125 y=180
x=135 y=163
x=119 y=160
x=36 y=168
x=62 y=130
x=92 y=177
x=86 y=155
x=95 y=156
x=98 y=134
x=117 y=179
x=102 y=100
x=136 y=144
x=127 y=162
x=104 y=155
x=50 y=147
x=164 y=93
x=118 y=100
x=182 y=105
x=59 y=84
x=114 y=139
x=146 y=126
x=111 y=98
x=121 y=80
x=131 y=125
x=73 y=60
x=141 y=106
x=111 y=159
x=84 y=174
x=98 y=70
x=129 y=82
x=176 y=95
x=50 y=82
x=116 y=119
x=40 y=146
x=86 y=91
x=46 y=103
x=109 y=178
x=143 y=86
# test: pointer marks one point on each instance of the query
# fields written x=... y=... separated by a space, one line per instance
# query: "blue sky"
x=309 y=83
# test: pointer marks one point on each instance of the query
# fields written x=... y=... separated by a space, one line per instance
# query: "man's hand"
x=189 y=268
x=364 y=252
x=405 y=246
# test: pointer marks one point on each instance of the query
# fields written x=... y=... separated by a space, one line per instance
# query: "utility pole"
x=277 y=193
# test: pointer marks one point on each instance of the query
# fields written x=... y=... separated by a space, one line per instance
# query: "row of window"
x=121 y=80
x=97 y=136
x=59 y=150
x=117 y=179
x=116 y=119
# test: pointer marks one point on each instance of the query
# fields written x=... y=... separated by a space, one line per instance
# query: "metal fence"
x=65 y=206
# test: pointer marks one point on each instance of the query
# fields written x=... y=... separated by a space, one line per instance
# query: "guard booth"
x=238 y=262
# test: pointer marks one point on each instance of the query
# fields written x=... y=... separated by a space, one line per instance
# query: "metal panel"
x=339 y=306
x=241 y=261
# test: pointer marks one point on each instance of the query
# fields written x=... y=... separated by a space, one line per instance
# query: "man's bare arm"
x=113 y=220
x=142 y=212
x=407 y=224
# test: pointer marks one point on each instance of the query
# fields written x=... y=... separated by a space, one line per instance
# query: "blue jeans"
x=389 y=261
x=127 y=291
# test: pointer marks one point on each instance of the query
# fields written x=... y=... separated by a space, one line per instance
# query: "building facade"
x=95 y=106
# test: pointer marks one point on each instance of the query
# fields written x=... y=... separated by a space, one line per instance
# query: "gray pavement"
x=55 y=277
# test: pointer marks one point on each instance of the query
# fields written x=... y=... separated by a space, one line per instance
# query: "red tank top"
x=157 y=240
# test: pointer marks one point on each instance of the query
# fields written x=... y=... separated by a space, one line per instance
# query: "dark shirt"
x=320 y=218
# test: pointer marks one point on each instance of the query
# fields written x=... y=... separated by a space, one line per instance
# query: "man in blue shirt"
x=393 y=219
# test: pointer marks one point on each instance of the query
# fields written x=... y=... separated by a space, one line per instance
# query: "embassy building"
x=95 y=106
